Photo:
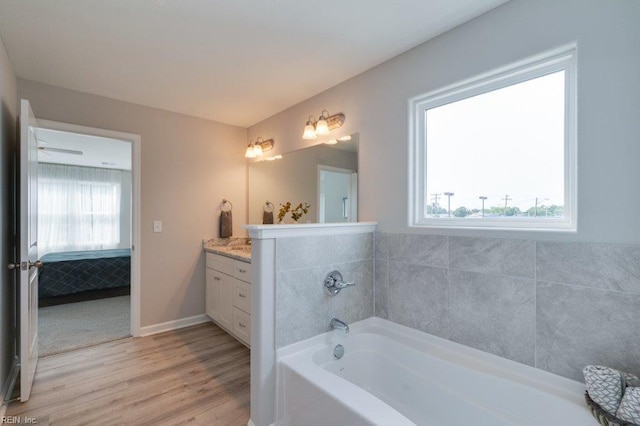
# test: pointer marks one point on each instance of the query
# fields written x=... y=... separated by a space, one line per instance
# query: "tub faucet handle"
x=333 y=283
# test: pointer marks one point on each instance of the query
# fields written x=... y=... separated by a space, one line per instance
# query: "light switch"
x=157 y=226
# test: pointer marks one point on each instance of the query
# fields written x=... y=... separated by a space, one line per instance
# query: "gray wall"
x=8 y=113
x=376 y=106
x=188 y=166
x=553 y=305
x=303 y=309
x=553 y=300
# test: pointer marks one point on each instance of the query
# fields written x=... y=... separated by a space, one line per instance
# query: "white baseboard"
x=7 y=388
x=173 y=325
x=251 y=423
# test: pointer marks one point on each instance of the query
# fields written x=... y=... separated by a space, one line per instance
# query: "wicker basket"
x=603 y=417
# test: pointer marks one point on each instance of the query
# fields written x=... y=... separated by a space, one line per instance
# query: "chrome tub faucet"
x=339 y=325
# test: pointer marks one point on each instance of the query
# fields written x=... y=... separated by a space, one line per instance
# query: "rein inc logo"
x=18 y=420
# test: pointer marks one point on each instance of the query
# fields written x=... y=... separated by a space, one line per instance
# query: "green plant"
x=300 y=210
x=284 y=209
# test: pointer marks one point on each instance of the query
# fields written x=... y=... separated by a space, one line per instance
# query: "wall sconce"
x=323 y=126
x=259 y=147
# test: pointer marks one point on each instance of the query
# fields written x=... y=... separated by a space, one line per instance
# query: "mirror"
x=324 y=176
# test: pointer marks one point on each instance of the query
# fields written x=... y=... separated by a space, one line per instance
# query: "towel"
x=616 y=392
x=267 y=218
x=226 y=224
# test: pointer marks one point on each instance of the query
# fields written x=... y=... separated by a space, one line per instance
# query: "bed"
x=76 y=272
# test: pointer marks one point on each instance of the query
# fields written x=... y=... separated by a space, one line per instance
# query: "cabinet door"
x=212 y=300
x=242 y=326
x=226 y=302
x=242 y=295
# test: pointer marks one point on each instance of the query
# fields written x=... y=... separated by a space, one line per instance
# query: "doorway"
x=337 y=195
x=90 y=283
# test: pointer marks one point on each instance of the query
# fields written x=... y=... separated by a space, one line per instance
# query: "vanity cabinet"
x=228 y=295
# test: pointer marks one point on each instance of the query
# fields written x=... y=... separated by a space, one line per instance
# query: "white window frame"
x=561 y=59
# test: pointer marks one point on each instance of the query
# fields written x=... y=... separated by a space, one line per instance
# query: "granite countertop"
x=234 y=247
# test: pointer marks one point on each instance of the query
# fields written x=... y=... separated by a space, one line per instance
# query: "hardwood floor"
x=196 y=376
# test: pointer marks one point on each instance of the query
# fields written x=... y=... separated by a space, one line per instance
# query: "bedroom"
x=84 y=227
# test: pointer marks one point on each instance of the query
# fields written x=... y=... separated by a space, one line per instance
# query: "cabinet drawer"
x=242 y=325
x=242 y=295
x=220 y=263
x=242 y=271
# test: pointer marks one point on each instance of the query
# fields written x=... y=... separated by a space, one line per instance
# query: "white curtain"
x=78 y=208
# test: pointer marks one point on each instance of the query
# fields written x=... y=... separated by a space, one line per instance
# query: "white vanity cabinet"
x=228 y=295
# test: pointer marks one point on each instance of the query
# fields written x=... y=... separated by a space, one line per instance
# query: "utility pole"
x=506 y=201
x=449 y=195
x=435 y=197
x=482 y=197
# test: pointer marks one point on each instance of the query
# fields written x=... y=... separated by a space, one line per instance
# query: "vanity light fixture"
x=309 y=129
x=249 y=153
x=258 y=148
x=323 y=126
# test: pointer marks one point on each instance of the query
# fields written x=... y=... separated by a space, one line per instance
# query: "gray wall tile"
x=418 y=297
x=382 y=245
x=496 y=256
x=354 y=303
x=304 y=252
x=381 y=289
x=493 y=313
x=302 y=307
x=577 y=326
x=431 y=250
x=606 y=266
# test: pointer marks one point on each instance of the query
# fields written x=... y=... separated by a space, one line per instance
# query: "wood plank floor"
x=197 y=376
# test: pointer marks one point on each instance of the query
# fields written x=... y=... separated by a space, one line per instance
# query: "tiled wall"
x=555 y=306
x=303 y=309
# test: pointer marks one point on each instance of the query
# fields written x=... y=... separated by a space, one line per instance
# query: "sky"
x=508 y=141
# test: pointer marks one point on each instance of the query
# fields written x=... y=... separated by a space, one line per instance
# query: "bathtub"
x=395 y=375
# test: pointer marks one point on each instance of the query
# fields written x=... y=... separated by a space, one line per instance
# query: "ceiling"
x=232 y=61
x=86 y=150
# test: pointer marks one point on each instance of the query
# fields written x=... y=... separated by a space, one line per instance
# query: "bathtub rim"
x=527 y=375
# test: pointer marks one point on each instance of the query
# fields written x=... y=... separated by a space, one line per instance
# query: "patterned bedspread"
x=74 y=272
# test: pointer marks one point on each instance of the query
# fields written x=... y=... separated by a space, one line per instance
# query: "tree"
x=461 y=212
x=431 y=209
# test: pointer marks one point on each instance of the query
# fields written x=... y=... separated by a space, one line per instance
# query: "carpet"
x=72 y=326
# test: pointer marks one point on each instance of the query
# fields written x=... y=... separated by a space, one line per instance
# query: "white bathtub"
x=394 y=375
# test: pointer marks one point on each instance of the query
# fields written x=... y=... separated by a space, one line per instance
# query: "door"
x=226 y=302
x=29 y=263
x=337 y=195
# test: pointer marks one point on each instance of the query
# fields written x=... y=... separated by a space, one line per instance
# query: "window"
x=498 y=151
x=78 y=208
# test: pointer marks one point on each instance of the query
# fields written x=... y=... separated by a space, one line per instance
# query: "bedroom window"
x=78 y=208
x=498 y=151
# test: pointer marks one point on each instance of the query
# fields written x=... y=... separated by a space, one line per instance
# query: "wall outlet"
x=157 y=226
